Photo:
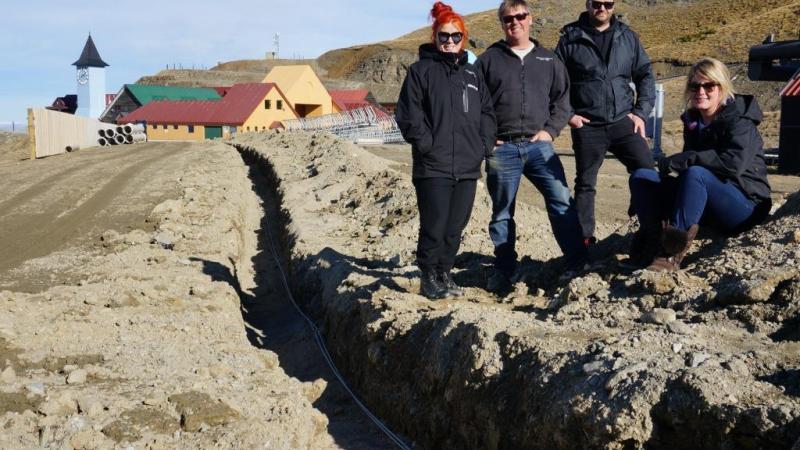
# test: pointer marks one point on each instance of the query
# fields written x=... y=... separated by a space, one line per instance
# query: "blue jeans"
x=697 y=194
x=539 y=163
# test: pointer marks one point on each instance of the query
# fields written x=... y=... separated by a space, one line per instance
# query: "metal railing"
x=365 y=125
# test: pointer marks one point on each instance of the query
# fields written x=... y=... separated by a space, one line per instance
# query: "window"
x=279 y=104
x=174 y=127
x=154 y=126
x=267 y=104
x=191 y=128
x=164 y=126
x=248 y=128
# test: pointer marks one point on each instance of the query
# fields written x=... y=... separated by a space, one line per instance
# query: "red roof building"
x=345 y=100
x=244 y=108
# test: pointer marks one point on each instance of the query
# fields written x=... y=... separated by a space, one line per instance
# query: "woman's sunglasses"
x=708 y=87
x=443 y=37
x=608 y=5
x=520 y=17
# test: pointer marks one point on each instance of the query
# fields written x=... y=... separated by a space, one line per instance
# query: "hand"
x=543 y=136
x=577 y=121
x=638 y=124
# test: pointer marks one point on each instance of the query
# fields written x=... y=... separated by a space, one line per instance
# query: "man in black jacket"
x=603 y=56
x=529 y=89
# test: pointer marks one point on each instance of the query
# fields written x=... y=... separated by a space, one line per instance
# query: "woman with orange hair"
x=445 y=112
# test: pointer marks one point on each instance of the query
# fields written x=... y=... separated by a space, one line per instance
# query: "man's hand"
x=638 y=124
x=577 y=121
x=542 y=136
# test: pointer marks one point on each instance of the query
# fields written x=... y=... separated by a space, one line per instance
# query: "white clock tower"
x=91 y=77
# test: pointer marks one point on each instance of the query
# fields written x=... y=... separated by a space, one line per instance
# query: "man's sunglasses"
x=444 y=37
x=708 y=87
x=608 y=5
x=520 y=17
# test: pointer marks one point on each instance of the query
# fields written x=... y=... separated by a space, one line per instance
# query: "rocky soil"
x=149 y=349
x=704 y=358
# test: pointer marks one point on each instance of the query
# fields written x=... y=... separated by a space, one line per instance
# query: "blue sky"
x=40 y=39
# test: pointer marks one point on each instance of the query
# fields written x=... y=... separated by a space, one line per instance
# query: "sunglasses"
x=443 y=37
x=709 y=86
x=520 y=17
x=608 y=5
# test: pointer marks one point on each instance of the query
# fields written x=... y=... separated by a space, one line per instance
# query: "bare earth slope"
x=704 y=358
x=129 y=310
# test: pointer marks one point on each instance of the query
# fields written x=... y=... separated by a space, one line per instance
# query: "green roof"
x=145 y=94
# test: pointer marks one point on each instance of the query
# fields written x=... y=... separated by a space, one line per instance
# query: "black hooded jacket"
x=445 y=112
x=600 y=90
x=528 y=96
x=730 y=147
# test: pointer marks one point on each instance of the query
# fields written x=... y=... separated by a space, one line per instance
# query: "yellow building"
x=243 y=108
x=303 y=89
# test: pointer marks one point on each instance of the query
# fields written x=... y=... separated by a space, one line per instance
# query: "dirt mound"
x=149 y=348
x=14 y=146
x=705 y=358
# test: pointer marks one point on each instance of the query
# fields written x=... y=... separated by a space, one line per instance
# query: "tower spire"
x=90 y=57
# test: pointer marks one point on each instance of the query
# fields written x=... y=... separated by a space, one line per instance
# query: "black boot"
x=452 y=288
x=645 y=246
x=431 y=287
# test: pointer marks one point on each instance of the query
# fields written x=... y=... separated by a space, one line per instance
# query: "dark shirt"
x=602 y=39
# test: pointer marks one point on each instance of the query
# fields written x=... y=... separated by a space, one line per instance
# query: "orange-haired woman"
x=445 y=112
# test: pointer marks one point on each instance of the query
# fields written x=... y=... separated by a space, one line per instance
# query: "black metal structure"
x=780 y=61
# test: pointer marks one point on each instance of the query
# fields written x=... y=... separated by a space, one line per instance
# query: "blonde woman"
x=721 y=174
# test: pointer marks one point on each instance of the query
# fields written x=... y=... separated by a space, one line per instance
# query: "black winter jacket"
x=730 y=147
x=445 y=112
x=527 y=97
x=601 y=92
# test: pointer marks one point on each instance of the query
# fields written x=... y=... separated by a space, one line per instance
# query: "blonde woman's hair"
x=716 y=71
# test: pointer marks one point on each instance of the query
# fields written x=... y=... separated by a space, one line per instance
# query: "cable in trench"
x=317 y=334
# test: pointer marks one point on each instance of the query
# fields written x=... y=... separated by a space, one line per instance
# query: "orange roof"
x=234 y=108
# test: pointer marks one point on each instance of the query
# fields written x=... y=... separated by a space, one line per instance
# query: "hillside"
x=675 y=33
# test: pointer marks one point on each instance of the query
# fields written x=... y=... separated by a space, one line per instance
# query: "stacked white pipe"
x=132 y=133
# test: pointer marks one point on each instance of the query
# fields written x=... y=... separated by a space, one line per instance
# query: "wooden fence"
x=53 y=132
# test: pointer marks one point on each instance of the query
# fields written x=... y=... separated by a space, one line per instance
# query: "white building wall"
x=92 y=95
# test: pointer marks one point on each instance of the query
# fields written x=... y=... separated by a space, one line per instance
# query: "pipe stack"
x=132 y=133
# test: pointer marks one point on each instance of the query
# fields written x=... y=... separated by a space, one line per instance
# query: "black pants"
x=591 y=144
x=444 y=208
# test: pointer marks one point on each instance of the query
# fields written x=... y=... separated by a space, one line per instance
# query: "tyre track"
x=49 y=182
x=34 y=235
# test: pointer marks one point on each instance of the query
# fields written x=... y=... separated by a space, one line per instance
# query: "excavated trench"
x=274 y=323
x=594 y=366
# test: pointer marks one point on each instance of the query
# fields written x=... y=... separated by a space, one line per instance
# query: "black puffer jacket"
x=730 y=147
x=601 y=92
x=445 y=112
x=528 y=97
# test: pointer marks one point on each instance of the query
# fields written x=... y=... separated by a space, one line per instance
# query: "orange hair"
x=443 y=14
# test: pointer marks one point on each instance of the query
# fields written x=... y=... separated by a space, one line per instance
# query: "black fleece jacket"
x=730 y=147
x=445 y=112
x=600 y=87
x=528 y=96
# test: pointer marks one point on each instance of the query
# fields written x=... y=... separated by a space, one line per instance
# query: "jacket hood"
x=429 y=51
x=575 y=29
x=744 y=106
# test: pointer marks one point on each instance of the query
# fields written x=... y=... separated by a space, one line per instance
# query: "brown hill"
x=675 y=33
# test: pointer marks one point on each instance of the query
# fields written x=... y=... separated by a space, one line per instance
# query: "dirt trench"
x=142 y=310
x=703 y=358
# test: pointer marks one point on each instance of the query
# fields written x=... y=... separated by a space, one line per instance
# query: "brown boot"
x=675 y=244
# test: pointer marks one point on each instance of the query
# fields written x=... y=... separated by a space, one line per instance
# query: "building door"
x=213 y=132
